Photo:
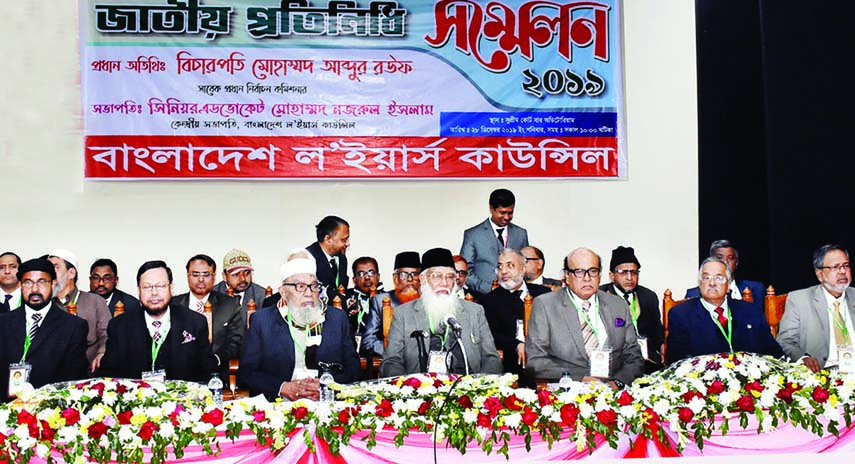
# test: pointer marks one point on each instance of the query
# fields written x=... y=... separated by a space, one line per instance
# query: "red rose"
x=437 y=383
x=754 y=386
x=545 y=397
x=424 y=407
x=174 y=415
x=745 y=403
x=715 y=388
x=124 y=417
x=25 y=417
x=413 y=382
x=71 y=416
x=652 y=417
x=569 y=414
x=344 y=416
x=465 y=402
x=259 y=416
x=529 y=417
x=97 y=430
x=625 y=399
x=299 y=413
x=786 y=396
x=99 y=387
x=820 y=395
x=47 y=432
x=607 y=417
x=147 y=430
x=121 y=389
x=685 y=414
x=513 y=403
x=214 y=417
x=493 y=405
x=690 y=395
x=384 y=409
x=484 y=420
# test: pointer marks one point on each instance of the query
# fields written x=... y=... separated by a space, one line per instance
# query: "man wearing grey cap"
x=90 y=306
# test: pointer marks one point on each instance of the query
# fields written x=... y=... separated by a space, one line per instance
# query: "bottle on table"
x=216 y=387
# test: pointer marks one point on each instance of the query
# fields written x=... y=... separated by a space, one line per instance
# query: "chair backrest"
x=388 y=312
x=668 y=302
x=527 y=301
x=251 y=307
x=774 y=305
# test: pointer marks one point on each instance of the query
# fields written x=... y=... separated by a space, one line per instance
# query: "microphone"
x=420 y=336
x=451 y=321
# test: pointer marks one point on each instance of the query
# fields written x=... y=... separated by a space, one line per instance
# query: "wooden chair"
x=388 y=312
x=668 y=302
x=233 y=393
x=774 y=305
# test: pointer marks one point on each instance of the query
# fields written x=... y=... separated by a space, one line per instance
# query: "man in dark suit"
x=407 y=288
x=725 y=251
x=228 y=320
x=643 y=305
x=333 y=234
x=300 y=325
x=103 y=279
x=237 y=275
x=10 y=287
x=366 y=279
x=535 y=262
x=163 y=337
x=483 y=242
x=504 y=308
x=57 y=340
x=716 y=323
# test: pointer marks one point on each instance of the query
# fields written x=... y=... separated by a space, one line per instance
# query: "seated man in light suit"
x=561 y=321
x=716 y=323
x=482 y=243
x=427 y=314
x=724 y=250
x=820 y=317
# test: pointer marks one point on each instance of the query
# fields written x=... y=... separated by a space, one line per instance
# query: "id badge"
x=846 y=359
x=154 y=376
x=520 y=331
x=600 y=358
x=19 y=378
x=436 y=362
x=358 y=339
x=642 y=343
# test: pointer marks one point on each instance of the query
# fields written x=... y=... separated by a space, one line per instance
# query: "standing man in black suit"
x=333 y=235
x=643 y=305
x=164 y=340
x=10 y=287
x=228 y=320
x=505 y=311
x=103 y=279
x=44 y=343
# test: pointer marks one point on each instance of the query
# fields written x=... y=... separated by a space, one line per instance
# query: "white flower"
x=697 y=405
x=586 y=410
x=470 y=415
x=42 y=450
x=662 y=407
x=832 y=414
x=26 y=442
x=728 y=397
x=323 y=413
x=167 y=430
x=547 y=410
x=126 y=433
x=526 y=394
x=513 y=420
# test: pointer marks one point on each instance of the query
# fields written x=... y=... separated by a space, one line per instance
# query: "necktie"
x=517 y=293
x=334 y=266
x=157 y=334
x=6 y=301
x=591 y=341
x=721 y=317
x=838 y=326
x=200 y=308
x=626 y=296
x=34 y=327
x=499 y=235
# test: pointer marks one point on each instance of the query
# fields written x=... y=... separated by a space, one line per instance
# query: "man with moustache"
x=164 y=341
x=366 y=279
x=286 y=344
x=463 y=290
x=333 y=238
x=725 y=251
x=228 y=321
x=48 y=344
x=237 y=275
x=570 y=325
x=817 y=320
x=504 y=308
x=90 y=307
x=10 y=288
x=406 y=280
x=429 y=314
x=535 y=262
x=103 y=279
x=716 y=323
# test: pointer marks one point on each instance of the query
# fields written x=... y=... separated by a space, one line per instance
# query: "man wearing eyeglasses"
x=643 y=305
x=534 y=264
x=571 y=327
x=817 y=325
x=407 y=288
x=45 y=343
x=228 y=319
x=237 y=275
x=163 y=341
x=725 y=251
x=463 y=290
x=715 y=322
x=366 y=281
x=287 y=343
x=103 y=279
x=430 y=315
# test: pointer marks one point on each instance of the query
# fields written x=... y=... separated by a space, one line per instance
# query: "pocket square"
x=619 y=322
x=188 y=337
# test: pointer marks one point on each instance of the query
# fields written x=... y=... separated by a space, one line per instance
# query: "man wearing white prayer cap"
x=285 y=343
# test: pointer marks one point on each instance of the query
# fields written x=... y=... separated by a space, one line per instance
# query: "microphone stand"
x=462 y=350
x=419 y=335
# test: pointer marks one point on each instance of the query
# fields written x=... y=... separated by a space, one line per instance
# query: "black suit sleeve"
x=236 y=330
x=206 y=362
x=74 y=366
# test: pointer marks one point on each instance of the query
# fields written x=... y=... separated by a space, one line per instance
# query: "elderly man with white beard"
x=285 y=343
x=429 y=319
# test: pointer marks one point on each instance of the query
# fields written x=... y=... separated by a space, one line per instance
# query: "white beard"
x=512 y=284
x=437 y=306
x=306 y=316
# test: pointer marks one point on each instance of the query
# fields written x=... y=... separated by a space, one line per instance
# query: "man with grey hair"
x=715 y=322
x=817 y=320
x=725 y=251
x=428 y=320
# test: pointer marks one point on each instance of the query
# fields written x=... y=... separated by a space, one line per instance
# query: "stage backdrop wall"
x=46 y=203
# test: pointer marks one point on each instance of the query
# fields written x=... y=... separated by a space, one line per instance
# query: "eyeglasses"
x=203 y=275
x=106 y=279
x=368 y=273
x=628 y=272
x=718 y=279
x=580 y=273
x=404 y=275
x=41 y=283
x=438 y=277
x=532 y=258
x=463 y=273
x=148 y=288
x=836 y=268
x=301 y=286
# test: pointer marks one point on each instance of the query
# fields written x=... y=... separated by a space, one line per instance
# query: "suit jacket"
x=268 y=355
x=555 y=344
x=649 y=319
x=502 y=310
x=325 y=272
x=402 y=354
x=352 y=303
x=229 y=326
x=93 y=309
x=804 y=329
x=372 y=339
x=692 y=332
x=254 y=292
x=185 y=354
x=57 y=352
x=758 y=292
x=131 y=303
x=481 y=250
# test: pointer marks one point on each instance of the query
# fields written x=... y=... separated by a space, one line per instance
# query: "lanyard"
x=442 y=337
x=594 y=308
x=26 y=347
x=155 y=347
x=634 y=311
x=840 y=323
x=729 y=334
x=363 y=308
